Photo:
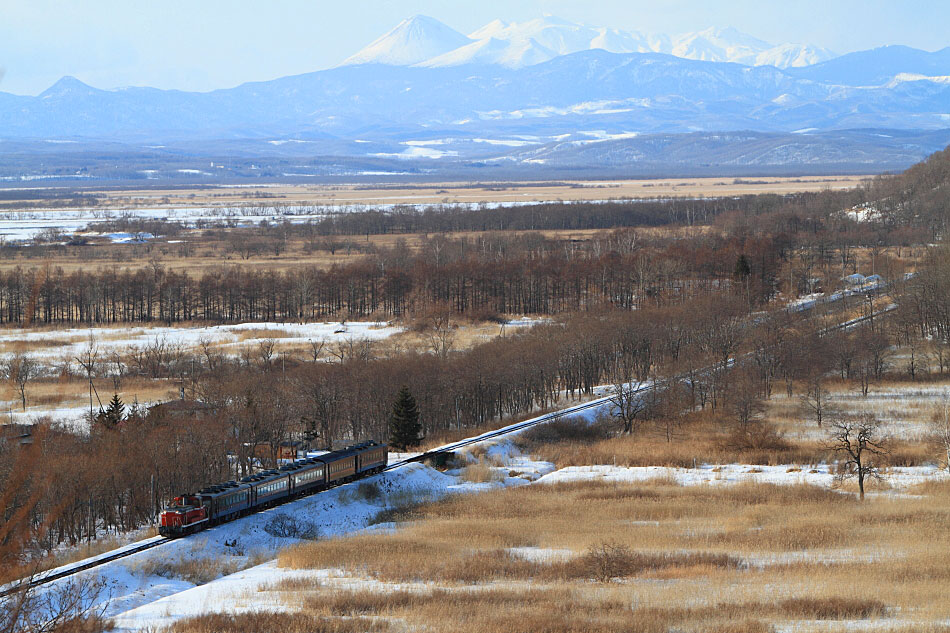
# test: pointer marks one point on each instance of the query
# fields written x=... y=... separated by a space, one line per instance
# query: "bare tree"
x=745 y=399
x=316 y=348
x=20 y=369
x=209 y=351
x=815 y=399
x=940 y=425
x=858 y=439
x=74 y=604
x=441 y=333
x=117 y=370
x=88 y=359
x=627 y=404
x=266 y=351
x=352 y=349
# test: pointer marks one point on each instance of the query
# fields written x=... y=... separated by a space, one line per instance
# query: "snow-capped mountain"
x=429 y=43
x=730 y=45
x=414 y=40
x=491 y=50
x=720 y=45
x=521 y=44
x=793 y=56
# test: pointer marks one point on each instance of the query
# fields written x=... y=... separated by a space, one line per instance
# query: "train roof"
x=349 y=451
x=222 y=488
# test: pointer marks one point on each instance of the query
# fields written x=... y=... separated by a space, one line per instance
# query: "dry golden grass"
x=701 y=437
x=465 y=192
x=262 y=333
x=482 y=472
x=52 y=393
x=732 y=558
x=273 y=622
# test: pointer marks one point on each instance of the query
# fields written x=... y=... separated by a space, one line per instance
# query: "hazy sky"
x=207 y=44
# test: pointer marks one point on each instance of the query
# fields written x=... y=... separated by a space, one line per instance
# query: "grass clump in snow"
x=482 y=472
x=369 y=492
x=197 y=570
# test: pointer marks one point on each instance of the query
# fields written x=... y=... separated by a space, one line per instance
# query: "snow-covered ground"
x=24 y=225
x=69 y=343
x=147 y=591
x=139 y=598
x=895 y=478
x=904 y=410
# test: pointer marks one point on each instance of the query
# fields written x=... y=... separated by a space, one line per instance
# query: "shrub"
x=368 y=491
x=571 y=429
x=608 y=561
x=283 y=525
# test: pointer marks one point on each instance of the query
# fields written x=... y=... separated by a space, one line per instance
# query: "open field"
x=743 y=558
x=197 y=250
x=618 y=538
x=465 y=193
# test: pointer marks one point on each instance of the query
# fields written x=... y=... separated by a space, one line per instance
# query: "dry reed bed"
x=686 y=568
x=701 y=437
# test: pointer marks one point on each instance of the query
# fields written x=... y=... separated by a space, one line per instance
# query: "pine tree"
x=404 y=427
x=742 y=269
x=113 y=414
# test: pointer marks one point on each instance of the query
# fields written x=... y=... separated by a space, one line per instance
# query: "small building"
x=286 y=451
x=16 y=434
x=855 y=280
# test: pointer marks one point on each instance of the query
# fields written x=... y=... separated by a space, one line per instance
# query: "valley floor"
x=715 y=547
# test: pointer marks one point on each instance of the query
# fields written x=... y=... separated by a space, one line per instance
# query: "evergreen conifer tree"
x=113 y=414
x=743 y=269
x=404 y=427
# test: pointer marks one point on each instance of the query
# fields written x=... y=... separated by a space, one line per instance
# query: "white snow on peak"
x=908 y=77
x=719 y=45
x=491 y=50
x=426 y=42
x=519 y=44
x=616 y=41
x=414 y=40
x=793 y=56
x=731 y=45
x=492 y=29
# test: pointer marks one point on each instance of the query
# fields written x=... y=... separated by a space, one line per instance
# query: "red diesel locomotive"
x=216 y=504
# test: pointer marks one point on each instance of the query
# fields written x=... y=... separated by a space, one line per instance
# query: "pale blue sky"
x=207 y=44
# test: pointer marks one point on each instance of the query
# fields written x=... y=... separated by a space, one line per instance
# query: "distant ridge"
x=878 y=66
x=426 y=41
x=591 y=90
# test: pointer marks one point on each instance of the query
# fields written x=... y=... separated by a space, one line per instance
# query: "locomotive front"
x=185 y=515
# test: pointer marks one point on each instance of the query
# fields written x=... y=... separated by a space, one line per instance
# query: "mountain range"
x=536 y=93
x=427 y=42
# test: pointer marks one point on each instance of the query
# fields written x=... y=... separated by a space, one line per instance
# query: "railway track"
x=141 y=546
x=65 y=571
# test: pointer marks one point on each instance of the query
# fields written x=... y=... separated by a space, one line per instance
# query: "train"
x=192 y=512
